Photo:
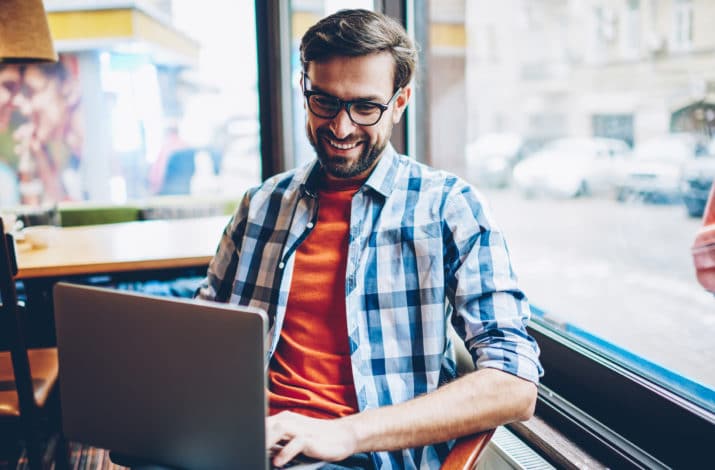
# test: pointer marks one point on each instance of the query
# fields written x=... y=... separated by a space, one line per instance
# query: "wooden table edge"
x=110 y=267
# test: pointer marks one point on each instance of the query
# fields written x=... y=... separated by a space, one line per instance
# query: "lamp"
x=24 y=32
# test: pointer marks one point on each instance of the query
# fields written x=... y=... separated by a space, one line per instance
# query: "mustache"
x=350 y=139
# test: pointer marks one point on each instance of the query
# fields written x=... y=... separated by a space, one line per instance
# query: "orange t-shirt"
x=310 y=372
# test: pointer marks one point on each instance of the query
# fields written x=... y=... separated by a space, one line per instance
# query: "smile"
x=340 y=146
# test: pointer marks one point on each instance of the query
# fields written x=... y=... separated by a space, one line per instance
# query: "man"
x=361 y=258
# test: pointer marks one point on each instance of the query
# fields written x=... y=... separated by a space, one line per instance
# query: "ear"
x=300 y=87
x=401 y=103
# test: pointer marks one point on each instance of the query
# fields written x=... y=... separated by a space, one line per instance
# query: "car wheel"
x=626 y=195
x=622 y=195
x=694 y=214
x=694 y=209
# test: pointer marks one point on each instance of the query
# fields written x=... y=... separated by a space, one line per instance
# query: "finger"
x=274 y=431
x=288 y=452
x=273 y=450
x=276 y=436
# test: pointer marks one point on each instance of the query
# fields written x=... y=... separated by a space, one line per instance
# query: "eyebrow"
x=373 y=98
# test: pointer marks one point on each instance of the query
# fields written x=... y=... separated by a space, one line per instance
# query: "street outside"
x=623 y=272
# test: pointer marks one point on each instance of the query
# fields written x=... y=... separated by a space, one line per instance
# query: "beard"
x=343 y=167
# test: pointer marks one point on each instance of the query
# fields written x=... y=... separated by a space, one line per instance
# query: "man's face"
x=345 y=149
x=9 y=86
x=42 y=102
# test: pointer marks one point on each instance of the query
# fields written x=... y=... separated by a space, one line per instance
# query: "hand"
x=322 y=439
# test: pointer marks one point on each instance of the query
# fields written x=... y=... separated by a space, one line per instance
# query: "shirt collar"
x=309 y=186
x=383 y=177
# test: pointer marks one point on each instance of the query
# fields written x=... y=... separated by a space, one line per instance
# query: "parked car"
x=572 y=167
x=654 y=173
x=491 y=158
x=696 y=180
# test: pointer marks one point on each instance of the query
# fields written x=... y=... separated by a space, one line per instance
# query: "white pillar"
x=97 y=151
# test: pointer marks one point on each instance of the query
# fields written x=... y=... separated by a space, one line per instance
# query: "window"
x=682 y=32
x=163 y=101
x=601 y=245
x=617 y=126
x=602 y=32
x=630 y=29
x=610 y=271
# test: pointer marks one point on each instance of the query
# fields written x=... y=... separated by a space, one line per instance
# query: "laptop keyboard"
x=301 y=462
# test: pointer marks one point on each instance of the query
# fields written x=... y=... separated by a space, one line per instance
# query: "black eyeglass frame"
x=347 y=104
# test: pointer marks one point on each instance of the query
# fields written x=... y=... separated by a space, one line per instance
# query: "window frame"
x=274 y=92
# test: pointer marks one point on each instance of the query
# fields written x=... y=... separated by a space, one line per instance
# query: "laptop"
x=173 y=382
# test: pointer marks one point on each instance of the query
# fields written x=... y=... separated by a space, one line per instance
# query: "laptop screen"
x=170 y=381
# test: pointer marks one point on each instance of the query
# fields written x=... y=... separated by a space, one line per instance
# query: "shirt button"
x=309 y=225
x=281 y=265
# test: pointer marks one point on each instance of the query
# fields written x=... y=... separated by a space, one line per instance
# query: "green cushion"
x=96 y=215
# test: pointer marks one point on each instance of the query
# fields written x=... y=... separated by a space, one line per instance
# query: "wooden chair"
x=468 y=450
x=29 y=405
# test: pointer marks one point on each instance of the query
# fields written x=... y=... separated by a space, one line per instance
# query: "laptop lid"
x=173 y=381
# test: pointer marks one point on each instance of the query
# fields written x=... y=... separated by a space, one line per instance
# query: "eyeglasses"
x=361 y=112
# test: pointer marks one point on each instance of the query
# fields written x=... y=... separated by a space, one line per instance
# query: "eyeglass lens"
x=364 y=113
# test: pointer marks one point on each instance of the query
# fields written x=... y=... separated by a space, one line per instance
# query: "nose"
x=341 y=126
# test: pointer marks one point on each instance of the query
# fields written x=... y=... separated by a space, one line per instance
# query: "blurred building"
x=628 y=69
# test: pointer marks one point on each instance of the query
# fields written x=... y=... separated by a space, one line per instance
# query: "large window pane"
x=585 y=124
x=149 y=99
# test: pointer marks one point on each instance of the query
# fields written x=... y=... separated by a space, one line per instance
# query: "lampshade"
x=24 y=32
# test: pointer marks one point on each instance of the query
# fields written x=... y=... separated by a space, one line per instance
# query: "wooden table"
x=123 y=247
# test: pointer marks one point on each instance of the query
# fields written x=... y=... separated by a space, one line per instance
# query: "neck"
x=333 y=183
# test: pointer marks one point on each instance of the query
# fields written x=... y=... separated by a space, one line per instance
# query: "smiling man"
x=361 y=259
x=349 y=144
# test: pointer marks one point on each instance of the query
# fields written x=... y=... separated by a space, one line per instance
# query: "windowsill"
x=552 y=445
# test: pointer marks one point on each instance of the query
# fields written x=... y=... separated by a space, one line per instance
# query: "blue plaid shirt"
x=423 y=251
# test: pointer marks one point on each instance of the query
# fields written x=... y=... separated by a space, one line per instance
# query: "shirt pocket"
x=405 y=260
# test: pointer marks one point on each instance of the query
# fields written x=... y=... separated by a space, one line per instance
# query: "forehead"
x=34 y=77
x=354 y=77
x=9 y=74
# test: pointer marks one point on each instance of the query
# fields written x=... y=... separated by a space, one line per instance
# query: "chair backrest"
x=32 y=216
x=465 y=364
x=11 y=322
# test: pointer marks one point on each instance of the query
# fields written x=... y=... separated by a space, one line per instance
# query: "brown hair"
x=354 y=33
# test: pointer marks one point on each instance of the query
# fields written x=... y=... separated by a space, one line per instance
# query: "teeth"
x=342 y=146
